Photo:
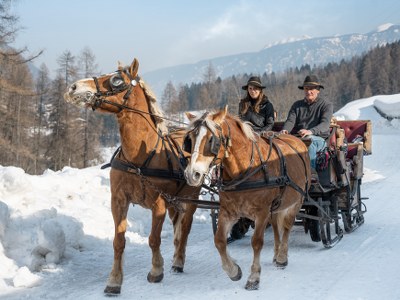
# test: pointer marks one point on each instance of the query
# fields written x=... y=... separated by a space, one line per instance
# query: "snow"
x=56 y=232
x=384 y=27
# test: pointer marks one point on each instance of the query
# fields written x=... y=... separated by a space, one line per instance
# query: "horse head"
x=206 y=142
x=119 y=91
x=109 y=92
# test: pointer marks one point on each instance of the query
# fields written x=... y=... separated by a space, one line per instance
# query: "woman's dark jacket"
x=261 y=121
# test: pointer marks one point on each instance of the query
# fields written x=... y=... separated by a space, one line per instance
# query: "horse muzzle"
x=193 y=177
x=80 y=99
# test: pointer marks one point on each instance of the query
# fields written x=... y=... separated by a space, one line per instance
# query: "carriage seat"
x=349 y=132
x=349 y=141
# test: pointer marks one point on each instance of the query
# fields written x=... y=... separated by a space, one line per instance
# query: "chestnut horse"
x=263 y=179
x=148 y=169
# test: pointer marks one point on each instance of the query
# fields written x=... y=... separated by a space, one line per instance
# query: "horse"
x=146 y=170
x=264 y=178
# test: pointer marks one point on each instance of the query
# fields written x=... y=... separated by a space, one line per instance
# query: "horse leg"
x=156 y=273
x=257 y=242
x=182 y=222
x=286 y=220
x=119 y=211
x=277 y=235
x=220 y=240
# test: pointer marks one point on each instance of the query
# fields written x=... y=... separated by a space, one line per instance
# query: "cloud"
x=223 y=28
x=230 y=24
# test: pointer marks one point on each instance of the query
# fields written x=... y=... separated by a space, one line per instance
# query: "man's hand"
x=304 y=132
x=284 y=132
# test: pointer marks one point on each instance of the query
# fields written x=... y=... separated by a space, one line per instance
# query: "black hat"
x=255 y=81
x=311 y=80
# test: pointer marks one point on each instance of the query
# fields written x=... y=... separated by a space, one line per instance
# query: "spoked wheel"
x=240 y=228
x=331 y=232
x=353 y=214
x=313 y=225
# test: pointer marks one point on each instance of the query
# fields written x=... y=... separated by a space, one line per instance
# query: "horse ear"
x=219 y=117
x=190 y=116
x=120 y=65
x=133 y=69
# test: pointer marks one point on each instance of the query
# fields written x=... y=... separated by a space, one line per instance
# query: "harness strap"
x=150 y=157
x=179 y=156
x=263 y=164
x=273 y=182
x=133 y=169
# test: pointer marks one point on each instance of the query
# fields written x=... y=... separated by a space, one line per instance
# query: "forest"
x=40 y=131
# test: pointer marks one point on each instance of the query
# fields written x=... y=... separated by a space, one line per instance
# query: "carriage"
x=334 y=198
x=151 y=169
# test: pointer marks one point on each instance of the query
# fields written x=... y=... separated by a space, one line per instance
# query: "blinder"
x=215 y=144
x=117 y=83
x=187 y=144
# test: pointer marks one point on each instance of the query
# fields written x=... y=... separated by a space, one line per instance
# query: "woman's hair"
x=246 y=102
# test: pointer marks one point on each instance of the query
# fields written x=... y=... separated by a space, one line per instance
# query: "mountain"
x=277 y=58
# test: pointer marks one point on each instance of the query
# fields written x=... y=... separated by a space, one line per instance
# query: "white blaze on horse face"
x=81 y=92
x=199 y=164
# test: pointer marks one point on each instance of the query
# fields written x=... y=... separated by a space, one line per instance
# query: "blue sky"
x=165 y=33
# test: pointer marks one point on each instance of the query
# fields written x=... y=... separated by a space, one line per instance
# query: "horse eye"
x=116 y=81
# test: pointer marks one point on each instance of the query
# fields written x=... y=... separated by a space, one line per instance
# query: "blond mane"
x=154 y=108
x=213 y=126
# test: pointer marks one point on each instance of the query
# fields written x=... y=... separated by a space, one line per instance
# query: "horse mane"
x=244 y=126
x=155 y=110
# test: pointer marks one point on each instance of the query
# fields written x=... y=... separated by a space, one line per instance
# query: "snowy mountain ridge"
x=289 y=53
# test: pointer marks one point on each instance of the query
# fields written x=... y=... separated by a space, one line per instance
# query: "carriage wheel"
x=353 y=215
x=331 y=233
x=313 y=226
x=240 y=228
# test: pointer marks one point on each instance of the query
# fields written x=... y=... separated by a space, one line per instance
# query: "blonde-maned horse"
x=263 y=179
x=148 y=169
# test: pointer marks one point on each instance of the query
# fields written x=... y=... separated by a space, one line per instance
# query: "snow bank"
x=377 y=109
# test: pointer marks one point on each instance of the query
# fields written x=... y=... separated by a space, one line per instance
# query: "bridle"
x=215 y=141
x=100 y=96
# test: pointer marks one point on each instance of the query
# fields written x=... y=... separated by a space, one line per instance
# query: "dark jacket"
x=261 y=121
x=315 y=117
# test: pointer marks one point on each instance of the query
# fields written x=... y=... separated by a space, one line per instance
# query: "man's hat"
x=255 y=81
x=311 y=81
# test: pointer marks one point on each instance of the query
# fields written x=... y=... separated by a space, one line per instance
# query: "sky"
x=167 y=33
x=56 y=234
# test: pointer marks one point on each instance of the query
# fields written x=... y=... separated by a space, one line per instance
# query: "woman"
x=258 y=110
x=255 y=107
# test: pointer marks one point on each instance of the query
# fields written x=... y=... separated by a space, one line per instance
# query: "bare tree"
x=42 y=90
x=90 y=139
x=170 y=99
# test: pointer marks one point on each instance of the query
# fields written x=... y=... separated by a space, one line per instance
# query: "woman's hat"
x=255 y=81
x=312 y=81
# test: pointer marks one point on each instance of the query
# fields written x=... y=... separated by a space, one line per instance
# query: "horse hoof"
x=112 y=291
x=155 y=279
x=176 y=270
x=252 y=286
x=280 y=265
x=238 y=276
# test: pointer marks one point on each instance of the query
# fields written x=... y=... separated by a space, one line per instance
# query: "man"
x=310 y=117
